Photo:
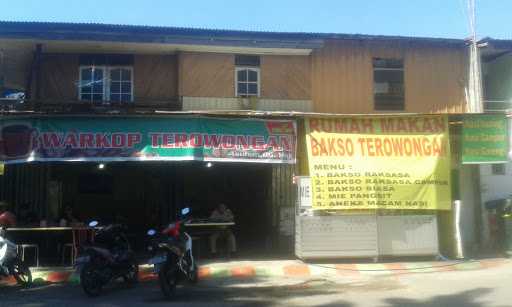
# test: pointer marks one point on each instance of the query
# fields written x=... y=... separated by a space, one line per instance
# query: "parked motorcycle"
x=172 y=257
x=11 y=263
x=110 y=257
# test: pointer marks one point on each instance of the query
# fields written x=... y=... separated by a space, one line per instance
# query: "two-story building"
x=79 y=78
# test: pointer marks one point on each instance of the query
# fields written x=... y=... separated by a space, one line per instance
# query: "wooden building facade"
x=108 y=69
x=326 y=73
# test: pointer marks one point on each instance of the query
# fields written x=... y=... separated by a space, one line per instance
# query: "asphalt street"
x=489 y=287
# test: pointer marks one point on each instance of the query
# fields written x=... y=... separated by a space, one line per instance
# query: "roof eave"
x=176 y=35
x=167 y=39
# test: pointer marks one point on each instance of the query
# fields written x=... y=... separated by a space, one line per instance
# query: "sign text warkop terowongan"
x=161 y=139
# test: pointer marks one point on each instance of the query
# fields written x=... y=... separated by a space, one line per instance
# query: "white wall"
x=468 y=219
x=493 y=187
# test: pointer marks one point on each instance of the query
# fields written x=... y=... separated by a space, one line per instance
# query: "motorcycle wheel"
x=22 y=273
x=132 y=276
x=194 y=274
x=89 y=280
x=167 y=277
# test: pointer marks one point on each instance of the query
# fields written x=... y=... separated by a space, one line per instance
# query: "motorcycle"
x=172 y=257
x=110 y=257
x=11 y=263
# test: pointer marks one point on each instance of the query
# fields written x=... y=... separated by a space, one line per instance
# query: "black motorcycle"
x=172 y=257
x=109 y=258
x=11 y=263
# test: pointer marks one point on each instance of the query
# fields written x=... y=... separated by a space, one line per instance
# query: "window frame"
x=106 y=81
x=80 y=68
x=109 y=81
x=258 y=82
x=374 y=69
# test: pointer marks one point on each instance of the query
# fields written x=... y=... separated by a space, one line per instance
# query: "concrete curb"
x=285 y=269
x=297 y=269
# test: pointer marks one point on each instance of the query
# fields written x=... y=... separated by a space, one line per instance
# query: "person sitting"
x=27 y=216
x=68 y=218
x=222 y=214
x=7 y=218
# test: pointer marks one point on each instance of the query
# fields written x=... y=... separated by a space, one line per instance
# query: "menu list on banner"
x=379 y=162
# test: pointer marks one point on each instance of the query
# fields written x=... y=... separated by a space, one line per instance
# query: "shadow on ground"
x=216 y=292
x=469 y=298
x=238 y=292
x=243 y=294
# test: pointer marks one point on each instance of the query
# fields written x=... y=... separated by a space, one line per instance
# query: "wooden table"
x=210 y=224
x=205 y=228
x=48 y=228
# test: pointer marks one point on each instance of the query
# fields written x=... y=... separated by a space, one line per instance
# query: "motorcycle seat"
x=102 y=251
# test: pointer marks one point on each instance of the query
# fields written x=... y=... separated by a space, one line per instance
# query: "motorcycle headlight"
x=3 y=251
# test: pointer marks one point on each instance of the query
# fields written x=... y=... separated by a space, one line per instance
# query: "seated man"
x=68 y=218
x=222 y=214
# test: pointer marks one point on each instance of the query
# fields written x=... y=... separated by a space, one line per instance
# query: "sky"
x=431 y=18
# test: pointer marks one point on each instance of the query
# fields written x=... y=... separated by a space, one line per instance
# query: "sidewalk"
x=289 y=269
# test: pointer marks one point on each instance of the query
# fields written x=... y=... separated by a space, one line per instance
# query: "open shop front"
x=142 y=171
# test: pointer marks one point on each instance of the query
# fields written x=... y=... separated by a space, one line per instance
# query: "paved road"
x=491 y=287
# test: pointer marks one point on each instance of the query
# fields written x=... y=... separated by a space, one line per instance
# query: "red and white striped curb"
x=287 y=269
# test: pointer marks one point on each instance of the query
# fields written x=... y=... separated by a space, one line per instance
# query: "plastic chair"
x=80 y=236
x=68 y=246
x=21 y=250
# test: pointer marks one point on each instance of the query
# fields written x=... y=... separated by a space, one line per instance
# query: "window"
x=247 y=78
x=388 y=84
x=247 y=81
x=106 y=83
x=247 y=60
x=498 y=169
x=92 y=83
x=120 y=84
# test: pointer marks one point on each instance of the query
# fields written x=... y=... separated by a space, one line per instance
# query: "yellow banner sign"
x=379 y=162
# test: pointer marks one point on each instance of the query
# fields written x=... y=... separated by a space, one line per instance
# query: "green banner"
x=146 y=138
x=484 y=139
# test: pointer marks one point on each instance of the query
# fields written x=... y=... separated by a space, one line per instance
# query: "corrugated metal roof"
x=497 y=43
x=157 y=34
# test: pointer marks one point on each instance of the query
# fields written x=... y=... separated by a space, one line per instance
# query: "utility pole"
x=475 y=104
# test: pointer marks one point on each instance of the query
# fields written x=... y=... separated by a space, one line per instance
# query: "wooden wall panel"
x=59 y=78
x=342 y=76
x=338 y=78
x=435 y=80
x=156 y=77
x=285 y=77
x=206 y=75
x=15 y=60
